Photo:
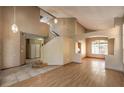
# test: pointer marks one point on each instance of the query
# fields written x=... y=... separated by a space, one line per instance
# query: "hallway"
x=90 y=73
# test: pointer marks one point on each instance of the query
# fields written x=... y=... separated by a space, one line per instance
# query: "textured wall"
x=27 y=19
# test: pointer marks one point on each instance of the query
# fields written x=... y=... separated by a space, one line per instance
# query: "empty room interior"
x=61 y=46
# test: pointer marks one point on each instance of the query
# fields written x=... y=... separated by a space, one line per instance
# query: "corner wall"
x=72 y=32
x=66 y=29
x=28 y=20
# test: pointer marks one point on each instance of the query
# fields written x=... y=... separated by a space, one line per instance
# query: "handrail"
x=53 y=32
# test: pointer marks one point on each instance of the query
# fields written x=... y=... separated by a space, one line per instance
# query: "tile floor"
x=17 y=74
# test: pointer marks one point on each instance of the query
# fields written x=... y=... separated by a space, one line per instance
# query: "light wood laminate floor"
x=90 y=73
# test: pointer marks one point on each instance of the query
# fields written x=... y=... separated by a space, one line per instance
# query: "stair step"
x=39 y=64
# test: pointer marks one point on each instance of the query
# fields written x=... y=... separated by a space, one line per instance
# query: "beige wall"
x=79 y=37
x=68 y=49
x=111 y=46
x=63 y=49
x=79 y=32
x=1 y=37
x=88 y=46
x=11 y=41
x=65 y=27
x=53 y=51
x=28 y=21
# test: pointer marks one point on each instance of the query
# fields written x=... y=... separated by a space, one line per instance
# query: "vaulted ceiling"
x=91 y=17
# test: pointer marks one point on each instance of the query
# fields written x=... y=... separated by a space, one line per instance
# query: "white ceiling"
x=91 y=17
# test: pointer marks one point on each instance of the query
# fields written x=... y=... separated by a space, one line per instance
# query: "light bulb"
x=55 y=21
x=14 y=28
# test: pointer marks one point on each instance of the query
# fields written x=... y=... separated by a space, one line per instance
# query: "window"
x=99 y=47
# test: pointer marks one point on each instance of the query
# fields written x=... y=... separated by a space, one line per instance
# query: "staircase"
x=52 y=34
x=39 y=63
